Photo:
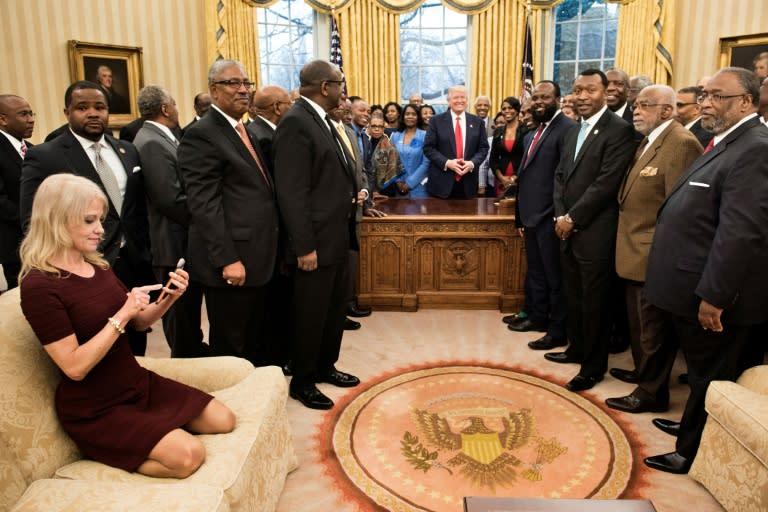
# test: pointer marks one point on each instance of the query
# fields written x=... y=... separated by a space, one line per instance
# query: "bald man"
x=268 y=105
x=17 y=121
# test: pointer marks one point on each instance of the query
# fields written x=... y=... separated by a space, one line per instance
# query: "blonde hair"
x=60 y=202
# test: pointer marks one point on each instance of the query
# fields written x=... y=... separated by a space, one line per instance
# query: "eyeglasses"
x=339 y=82
x=236 y=84
x=681 y=104
x=376 y=127
x=645 y=106
x=716 y=98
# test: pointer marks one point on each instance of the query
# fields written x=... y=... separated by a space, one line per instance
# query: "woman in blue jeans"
x=409 y=141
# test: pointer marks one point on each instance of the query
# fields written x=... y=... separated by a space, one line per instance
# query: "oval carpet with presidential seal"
x=423 y=438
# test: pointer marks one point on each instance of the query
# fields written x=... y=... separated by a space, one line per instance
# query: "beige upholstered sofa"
x=41 y=468
x=732 y=462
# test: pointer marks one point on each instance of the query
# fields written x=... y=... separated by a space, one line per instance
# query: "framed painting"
x=118 y=71
x=741 y=50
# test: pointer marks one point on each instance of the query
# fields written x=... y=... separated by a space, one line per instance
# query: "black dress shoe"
x=667 y=426
x=624 y=375
x=671 y=462
x=560 y=357
x=546 y=342
x=357 y=312
x=582 y=383
x=514 y=317
x=526 y=325
x=634 y=404
x=351 y=325
x=311 y=397
x=340 y=379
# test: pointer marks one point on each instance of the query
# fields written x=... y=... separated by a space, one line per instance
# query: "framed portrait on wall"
x=118 y=71
x=741 y=50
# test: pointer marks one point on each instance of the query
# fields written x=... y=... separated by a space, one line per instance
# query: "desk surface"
x=397 y=208
x=482 y=504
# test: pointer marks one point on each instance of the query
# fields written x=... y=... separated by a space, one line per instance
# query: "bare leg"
x=177 y=455
x=216 y=418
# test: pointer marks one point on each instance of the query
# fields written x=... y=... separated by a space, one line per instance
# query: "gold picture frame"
x=741 y=50
x=118 y=66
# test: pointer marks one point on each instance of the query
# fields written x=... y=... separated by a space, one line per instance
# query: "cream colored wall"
x=34 y=36
x=700 y=24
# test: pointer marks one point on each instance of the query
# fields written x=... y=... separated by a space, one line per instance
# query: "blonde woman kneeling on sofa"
x=117 y=412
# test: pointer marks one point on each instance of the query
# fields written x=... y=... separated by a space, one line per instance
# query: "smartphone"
x=179 y=265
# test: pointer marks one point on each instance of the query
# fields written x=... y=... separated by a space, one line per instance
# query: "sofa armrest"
x=206 y=373
x=756 y=379
x=742 y=413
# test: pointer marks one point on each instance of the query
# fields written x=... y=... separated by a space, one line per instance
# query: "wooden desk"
x=477 y=504
x=438 y=253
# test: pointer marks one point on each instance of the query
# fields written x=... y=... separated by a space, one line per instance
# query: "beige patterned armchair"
x=41 y=468
x=732 y=462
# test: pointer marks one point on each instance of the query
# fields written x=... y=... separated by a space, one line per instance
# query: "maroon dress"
x=119 y=411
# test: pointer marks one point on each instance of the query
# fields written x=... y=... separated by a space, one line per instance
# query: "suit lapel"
x=647 y=156
x=8 y=148
x=594 y=133
x=326 y=130
x=173 y=144
x=708 y=157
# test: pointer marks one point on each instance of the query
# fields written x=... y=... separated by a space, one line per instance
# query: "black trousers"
x=547 y=301
x=588 y=285
x=134 y=273
x=181 y=323
x=318 y=313
x=236 y=317
x=277 y=322
x=710 y=356
x=11 y=271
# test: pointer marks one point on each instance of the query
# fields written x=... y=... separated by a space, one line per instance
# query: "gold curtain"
x=370 y=44
x=498 y=39
x=645 y=39
x=397 y=6
x=231 y=33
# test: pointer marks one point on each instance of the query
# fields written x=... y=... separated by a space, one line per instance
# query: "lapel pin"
x=595 y=132
x=122 y=150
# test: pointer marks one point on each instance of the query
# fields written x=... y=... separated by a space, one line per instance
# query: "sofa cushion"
x=250 y=464
x=205 y=373
x=28 y=422
x=742 y=413
x=80 y=496
x=12 y=483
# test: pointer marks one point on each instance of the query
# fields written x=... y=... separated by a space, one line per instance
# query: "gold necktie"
x=343 y=136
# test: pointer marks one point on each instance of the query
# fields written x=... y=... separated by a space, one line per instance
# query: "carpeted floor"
x=403 y=344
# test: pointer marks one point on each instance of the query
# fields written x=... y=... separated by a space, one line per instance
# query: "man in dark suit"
x=594 y=159
x=317 y=194
x=17 y=121
x=456 y=144
x=706 y=267
x=689 y=114
x=617 y=94
x=535 y=210
x=168 y=216
x=86 y=149
x=665 y=153
x=202 y=103
x=234 y=224
x=269 y=104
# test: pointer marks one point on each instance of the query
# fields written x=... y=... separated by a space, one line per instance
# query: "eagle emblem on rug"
x=481 y=453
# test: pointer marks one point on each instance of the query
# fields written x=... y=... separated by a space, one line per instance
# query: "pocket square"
x=649 y=171
x=698 y=184
x=136 y=169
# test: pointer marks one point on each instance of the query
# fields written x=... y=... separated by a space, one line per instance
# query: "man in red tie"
x=16 y=124
x=534 y=216
x=456 y=144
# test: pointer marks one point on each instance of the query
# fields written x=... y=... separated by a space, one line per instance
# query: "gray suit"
x=168 y=225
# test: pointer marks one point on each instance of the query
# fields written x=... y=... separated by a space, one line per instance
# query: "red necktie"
x=535 y=141
x=23 y=150
x=459 y=143
x=247 y=141
x=709 y=146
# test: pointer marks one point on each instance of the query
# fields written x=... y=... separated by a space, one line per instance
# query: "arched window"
x=286 y=41
x=585 y=37
x=433 y=52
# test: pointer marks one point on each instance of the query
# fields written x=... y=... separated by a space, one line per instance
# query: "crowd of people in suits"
x=635 y=234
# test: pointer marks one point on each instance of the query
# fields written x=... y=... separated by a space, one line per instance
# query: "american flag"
x=526 y=74
x=336 y=48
